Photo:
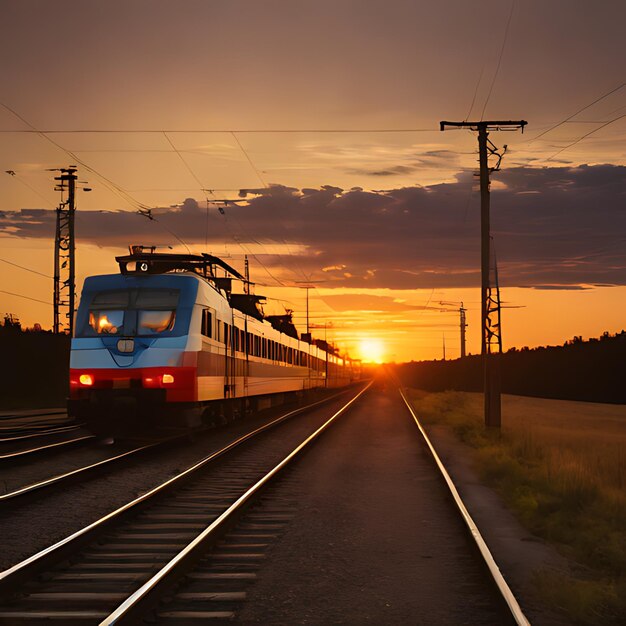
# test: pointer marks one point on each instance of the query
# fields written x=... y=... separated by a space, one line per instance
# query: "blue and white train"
x=167 y=342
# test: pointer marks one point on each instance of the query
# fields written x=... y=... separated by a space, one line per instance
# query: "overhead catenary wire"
x=187 y=166
x=19 y=295
x=475 y=94
x=591 y=132
x=238 y=131
x=264 y=183
x=495 y=75
x=23 y=182
x=107 y=182
x=587 y=106
x=252 y=165
x=28 y=269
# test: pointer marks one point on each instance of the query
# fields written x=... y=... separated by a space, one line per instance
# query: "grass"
x=561 y=467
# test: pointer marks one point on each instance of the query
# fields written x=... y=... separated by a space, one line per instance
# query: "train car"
x=167 y=343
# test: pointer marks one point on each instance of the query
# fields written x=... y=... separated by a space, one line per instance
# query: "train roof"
x=144 y=260
x=141 y=262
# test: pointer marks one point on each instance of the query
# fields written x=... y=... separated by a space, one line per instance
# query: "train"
x=169 y=343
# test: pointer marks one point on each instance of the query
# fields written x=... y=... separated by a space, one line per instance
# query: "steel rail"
x=133 y=606
x=26 y=423
x=30 y=451
x=41 y=433
x=55 y=480
x=494 y=570
x=17 y=574
x=35 y=413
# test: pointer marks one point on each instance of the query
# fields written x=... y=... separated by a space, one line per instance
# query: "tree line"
x=591 y=370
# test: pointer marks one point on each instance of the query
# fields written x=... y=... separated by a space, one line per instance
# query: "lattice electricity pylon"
x=64 y=246
x=462 y=320
x=492 y=329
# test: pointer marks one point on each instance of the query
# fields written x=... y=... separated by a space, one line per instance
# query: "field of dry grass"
x=561 y=467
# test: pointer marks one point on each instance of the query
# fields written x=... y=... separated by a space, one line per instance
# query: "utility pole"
x=246 y=285
x=310 y=284
x=491 y=372
x=307 y=309
x=462 y=320
x=64 y=248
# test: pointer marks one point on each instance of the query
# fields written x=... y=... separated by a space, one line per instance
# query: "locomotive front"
x=127 y=359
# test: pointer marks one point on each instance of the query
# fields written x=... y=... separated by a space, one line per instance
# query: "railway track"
x=60 y=480
x=64 y=478
x=111 y=558
x=216 y=588
x=187 y=550
x=14 y=435
x=498 y=579
x=37 y=451
x=34 y=422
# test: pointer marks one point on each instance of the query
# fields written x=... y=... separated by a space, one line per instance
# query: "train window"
x=107 y=322
x=132 y=311
x=226 y=333
x=150 y=322
x=155 y=299
x=207 y=323
x=111 y=299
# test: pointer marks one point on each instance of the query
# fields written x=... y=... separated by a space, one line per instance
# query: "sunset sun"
x=372 y=350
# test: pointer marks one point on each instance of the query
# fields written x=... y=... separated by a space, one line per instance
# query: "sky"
x=321 y=120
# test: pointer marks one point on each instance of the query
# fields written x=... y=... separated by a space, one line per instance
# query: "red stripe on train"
x=180 y=383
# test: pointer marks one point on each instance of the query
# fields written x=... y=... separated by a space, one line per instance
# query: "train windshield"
x=130 y=312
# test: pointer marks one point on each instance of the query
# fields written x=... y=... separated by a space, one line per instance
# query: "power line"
x=591 y=132
x=587 y=106
x=240 y=131
x=23 y=182
x=475 y=93
x=185 y=163
x=108 y=183
x=19 y=295
x=250 y=160
x=493 y=81
x=25 y=268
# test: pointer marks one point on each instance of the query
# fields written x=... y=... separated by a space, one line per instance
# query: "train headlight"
x=86 y=379
x=167 y=379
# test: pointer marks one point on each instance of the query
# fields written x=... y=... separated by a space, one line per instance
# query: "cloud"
x=413 y=163
x=559 y=226
x=559 y=287
x=348 y=303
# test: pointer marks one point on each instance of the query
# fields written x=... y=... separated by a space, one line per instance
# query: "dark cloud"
x=553 y=228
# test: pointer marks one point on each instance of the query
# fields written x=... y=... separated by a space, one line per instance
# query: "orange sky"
x=380 y=258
